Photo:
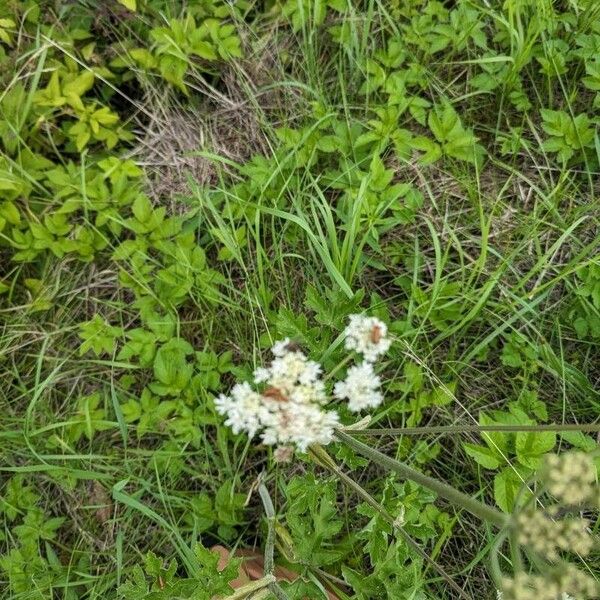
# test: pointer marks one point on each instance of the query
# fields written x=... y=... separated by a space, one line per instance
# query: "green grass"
x=392 y=157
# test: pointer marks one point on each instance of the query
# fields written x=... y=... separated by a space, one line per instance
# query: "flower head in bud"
x=571 y=478
x=563 y=583
x=547 y=536
x=283 y=454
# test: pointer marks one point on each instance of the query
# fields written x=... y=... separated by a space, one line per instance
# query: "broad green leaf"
x=531 y=446
x=171 y=367
x=508 y=484
x=142 y=208
x=80 y=85
x=483 y=455
x=580 y=440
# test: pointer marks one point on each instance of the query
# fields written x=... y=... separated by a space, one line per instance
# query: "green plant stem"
x=339 y=366
x=251 y=587
x=276 y=590
x=269 y=567
x=587 y=428
x=261 y=594
x=270 y=514
x=495 y=569
x=475 y=507
x=320 y=455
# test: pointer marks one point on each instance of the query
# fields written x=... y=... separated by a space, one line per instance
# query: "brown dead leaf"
x=252 y=568
x=99 y=497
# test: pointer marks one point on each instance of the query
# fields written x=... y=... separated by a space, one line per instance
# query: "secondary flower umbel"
x=361 y=388
x=367 y=336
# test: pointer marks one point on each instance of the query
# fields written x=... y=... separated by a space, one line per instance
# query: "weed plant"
x=185 y=182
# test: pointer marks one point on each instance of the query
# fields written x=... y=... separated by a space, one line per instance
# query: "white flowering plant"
x=287 y=403
x=550 y=526
x=293 y=404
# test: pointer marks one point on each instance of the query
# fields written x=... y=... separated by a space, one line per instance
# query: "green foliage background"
x=181 y=183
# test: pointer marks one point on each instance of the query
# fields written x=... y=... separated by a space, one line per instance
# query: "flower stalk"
x=269 y=568
x=253 y=586
x=450 y=429
x=475 y=507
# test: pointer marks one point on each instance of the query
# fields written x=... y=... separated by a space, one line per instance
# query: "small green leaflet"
x=129 y=4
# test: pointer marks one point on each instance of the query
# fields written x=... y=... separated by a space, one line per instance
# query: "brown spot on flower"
x=293 y=347
x=275 y=394
x=376 y=334
x=285 y=418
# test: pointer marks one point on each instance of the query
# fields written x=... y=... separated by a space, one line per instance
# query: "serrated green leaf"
x=484 y=456
x=531 y=446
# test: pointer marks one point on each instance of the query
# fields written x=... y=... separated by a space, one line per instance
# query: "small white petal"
x=261 y=375
x=360 y=388
x=280 y=347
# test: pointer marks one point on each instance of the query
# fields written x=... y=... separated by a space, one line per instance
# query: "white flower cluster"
x=367 y=336
x=287 y=404
x=290 y=408
x=571 y=478
x=361 y=388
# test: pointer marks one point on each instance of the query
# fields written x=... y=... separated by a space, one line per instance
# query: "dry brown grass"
x=232 y=122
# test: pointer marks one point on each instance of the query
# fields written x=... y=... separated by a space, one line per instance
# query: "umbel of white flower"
x=361 y=388
x=367 y=336
x=286 y=403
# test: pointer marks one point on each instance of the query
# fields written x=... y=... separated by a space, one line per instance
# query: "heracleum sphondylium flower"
x=289 y=410
x=244 y=409
x=548 y=535
x=563 y=596
x=367 y=336
x=552 y=530
x=360 y=388
x=286 y=406
x=571 y=478
x=557 y=584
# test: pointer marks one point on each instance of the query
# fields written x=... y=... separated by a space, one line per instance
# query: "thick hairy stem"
x=321 y=457
x=479 y=509
x=450 y=429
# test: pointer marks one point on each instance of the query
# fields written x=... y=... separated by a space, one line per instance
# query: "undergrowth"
x=184 y=182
